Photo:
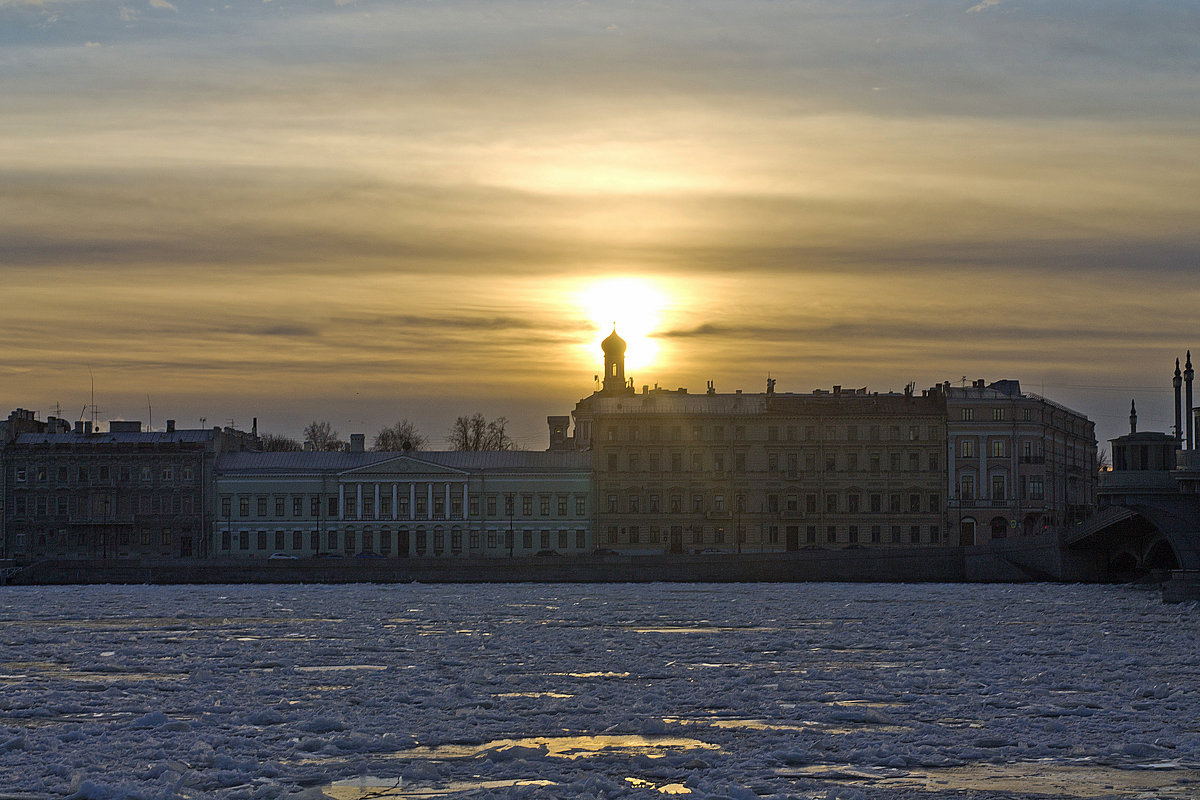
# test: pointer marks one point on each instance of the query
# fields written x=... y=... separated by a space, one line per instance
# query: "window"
x=580 y=539
x=894 y=504
x=852 y=533
x=852 y=503
x=676 y=504
x=168 y=473
x=810 y=503
x=385 y=506
x=297 y=540
x=998 y=487
x=439 y=507
x=333 y=506
x=297 y=506
x=968 y=414
x=527 y=539
x=654 y=504
x=810 y=534
x=527 y=505
x=279 y=539
x=226 y=507
x=544 y=506
x=260 y=506
x=719 y=502
x=314 y=506
x=935 y=504
x=914 y=534
x=612 y=462
x=876 y=534
x=351 y=507
x=772 y=433
x=997 y=415
x=831 y=534
x=966 y=448
x=773 y=503
x=243 y=506
x=967 y=487
x=562 y=506
x=831 y=503
x=612 y=504
x=262 y=540
x=634 y=534
x=562 y=540
x=368 y=505
x=934 y=461
x=998 y=448
x=914 y=503
x=279 y=506
x=634 y=463
x=935 y=534
x=243 y=540
x=634 y=504
x=1036 y=490
x=877 y=503
x=895 y=534
x=697 y=503
x=580 y=506
x=491 y=505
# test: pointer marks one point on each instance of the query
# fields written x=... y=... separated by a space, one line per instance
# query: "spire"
x=1132 y=417
x=1188 y=375
x=1177 y=382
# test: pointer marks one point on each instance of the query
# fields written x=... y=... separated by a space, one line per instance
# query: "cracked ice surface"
x=807 y=690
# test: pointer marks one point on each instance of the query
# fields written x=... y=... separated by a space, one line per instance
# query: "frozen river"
x=797 y=690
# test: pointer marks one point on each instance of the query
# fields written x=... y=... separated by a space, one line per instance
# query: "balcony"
x=1031 y=459
x=718 y=515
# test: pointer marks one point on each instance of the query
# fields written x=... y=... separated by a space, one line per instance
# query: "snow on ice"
x=735 y=691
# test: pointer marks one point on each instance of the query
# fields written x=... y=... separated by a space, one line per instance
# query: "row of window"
x=835 y=502
x=998 y=448
x=423 y=541
x=1032 y=487
x=998 y=414
x=717 y=535
x=421 y=506
x=40 y=473
x=789 y=463
x=774 y=433
x=124 y=537
x=100 y=505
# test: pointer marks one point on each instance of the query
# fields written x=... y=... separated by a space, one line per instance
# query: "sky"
x=362 y=210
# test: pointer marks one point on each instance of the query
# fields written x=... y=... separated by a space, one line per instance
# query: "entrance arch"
x=966 y=532
x=999 y=527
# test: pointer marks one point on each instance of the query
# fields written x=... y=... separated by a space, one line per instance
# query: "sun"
x=637 y=307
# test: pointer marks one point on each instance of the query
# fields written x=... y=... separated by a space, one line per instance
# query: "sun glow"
x=636 y=306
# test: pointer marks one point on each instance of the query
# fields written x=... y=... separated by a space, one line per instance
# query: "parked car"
x=281 y=557
x=368 y=554
x=547 y=553
x=603 y=551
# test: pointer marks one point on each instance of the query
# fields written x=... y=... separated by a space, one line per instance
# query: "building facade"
x=1019 y=464
x=403 y=505
x=122 y=493
x=680 y=472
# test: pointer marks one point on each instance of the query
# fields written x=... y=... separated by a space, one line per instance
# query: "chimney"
x=1132 y=417
x=357 y=442
x=1177 y=383
x=1188 y=375
x=79 y=426
x=170 y=426
x=254 y=427
x=87 y=426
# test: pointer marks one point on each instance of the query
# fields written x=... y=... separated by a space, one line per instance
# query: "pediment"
x=401 y=466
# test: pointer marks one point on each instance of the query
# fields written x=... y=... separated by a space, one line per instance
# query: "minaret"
x=614 y=363
x=1132 y=416
x=1177 y=382
x=1188 y=375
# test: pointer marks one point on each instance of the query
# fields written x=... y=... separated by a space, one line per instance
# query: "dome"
x=614 y=345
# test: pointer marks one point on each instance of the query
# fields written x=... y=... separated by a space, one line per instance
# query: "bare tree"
x=477 y=433
x=322 y=436
x=401 y=437
x=274 y=443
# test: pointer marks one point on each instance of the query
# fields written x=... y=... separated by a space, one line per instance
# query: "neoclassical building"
x=681 y=472
x=844 y=468
x=402 y=505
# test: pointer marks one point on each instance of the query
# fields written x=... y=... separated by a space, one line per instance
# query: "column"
x=447 y=506
x=429 y=500
x=412 y=500
x=358 y=496
x=341 y=501
x=376 y=501
x=395 y=499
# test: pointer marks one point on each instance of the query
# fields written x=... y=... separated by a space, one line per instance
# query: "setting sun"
x=636 y=306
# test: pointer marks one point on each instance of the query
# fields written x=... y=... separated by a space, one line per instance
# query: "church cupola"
x=614 y=362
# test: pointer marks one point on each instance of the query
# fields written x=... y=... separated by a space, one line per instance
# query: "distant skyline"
x=359 y=210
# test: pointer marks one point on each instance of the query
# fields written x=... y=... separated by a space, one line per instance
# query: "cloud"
x=163 y=4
